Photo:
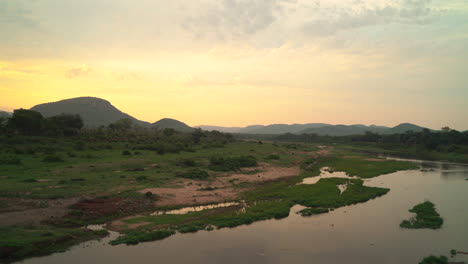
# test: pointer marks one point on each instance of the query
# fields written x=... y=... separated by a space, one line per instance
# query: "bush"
x=232 y=163
x=10 y=160
x=196 y=174
x=187 y=163
x=273 y=157
x=141 y=178
x=135 y=237
x=52 y=159
x=434 y=260
x=29 y=180
x=126 y=153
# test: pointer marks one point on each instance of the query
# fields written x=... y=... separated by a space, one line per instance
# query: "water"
x=360 y=234
x=190 y=209
x=325 y=173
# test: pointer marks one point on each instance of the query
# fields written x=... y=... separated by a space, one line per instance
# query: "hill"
x=94 y=111
x=402 y=128
x=344 y=130
x=172 y=123
x=5 y=114
x=221 y=129
x=283 y=128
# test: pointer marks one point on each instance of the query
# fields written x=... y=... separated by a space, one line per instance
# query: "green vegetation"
x=273 y=157
x=426 y=217
x=367 y=168
x=219 y=163
x=135 y=237
x=195 y=174
x=434 y=260
x=313 y=211
x=19 y=242
x=272 y=201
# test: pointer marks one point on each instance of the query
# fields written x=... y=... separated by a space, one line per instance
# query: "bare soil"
x=224 y=187
x=27 y=212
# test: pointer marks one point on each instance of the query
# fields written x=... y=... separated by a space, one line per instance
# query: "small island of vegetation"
x=426 y=217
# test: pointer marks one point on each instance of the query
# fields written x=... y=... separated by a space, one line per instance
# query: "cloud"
x=332 y=20
x=77 y=72
x=235 y=18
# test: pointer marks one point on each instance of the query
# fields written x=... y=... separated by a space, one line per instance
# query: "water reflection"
x=326 y=172
x=191 y=209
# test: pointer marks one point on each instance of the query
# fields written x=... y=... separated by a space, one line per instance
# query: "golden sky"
x=242 y=62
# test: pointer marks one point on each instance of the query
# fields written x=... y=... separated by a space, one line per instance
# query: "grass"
x=17 y=243
x=272 y=201
x=364 y=168
x=426 y=217
x=136 y=237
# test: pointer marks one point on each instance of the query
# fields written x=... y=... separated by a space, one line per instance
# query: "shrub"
x=77 y=179
x=135 y=237
x=196 y=174
x=187 y=163
x=126 y=153
x=149 y=195
x=232 y=163
x=52 y=159
x=434 y=260
x=141 y=178
x=29 y=180
x=273 y=157
x=10 y=160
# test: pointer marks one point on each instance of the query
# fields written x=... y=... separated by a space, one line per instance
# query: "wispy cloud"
x=78 y=71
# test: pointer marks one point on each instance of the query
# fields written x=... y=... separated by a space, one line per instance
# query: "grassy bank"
x=17 y=243
x=272 y=201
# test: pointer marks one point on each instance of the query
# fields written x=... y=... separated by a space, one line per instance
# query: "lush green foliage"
x=19 y=242
x=434 y=260
x=196 y=174
x=220 y=163
x=426 y=217
x=135 y=237
x=368 y=168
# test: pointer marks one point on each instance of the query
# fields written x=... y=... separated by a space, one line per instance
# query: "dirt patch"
x=113 y=206
x=120 y=224
x=27 y=212
x=198 y=192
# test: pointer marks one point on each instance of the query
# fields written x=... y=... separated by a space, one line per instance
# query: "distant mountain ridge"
x=99 y=112
x=317 y=128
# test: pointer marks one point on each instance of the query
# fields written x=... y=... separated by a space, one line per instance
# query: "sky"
x=243 y=62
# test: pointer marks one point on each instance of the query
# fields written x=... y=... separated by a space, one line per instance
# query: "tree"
x=446 y=129
x=63 y=125
x=3 y=122
x=26 y=122
x=123 y=125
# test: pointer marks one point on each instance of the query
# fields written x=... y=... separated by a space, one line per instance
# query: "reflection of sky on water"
x=448 y=171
